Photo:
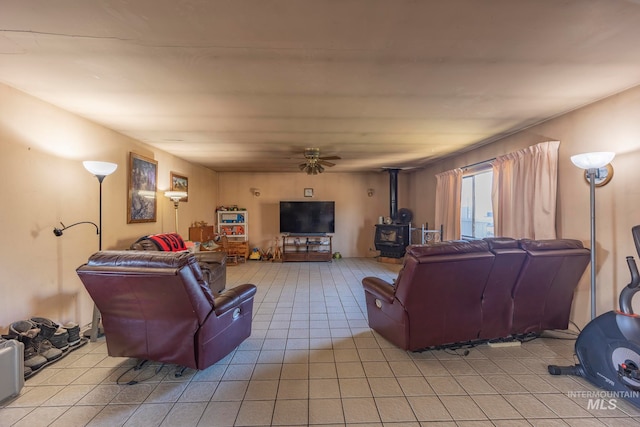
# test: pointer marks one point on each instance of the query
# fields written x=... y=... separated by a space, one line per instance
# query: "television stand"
x=306 y=247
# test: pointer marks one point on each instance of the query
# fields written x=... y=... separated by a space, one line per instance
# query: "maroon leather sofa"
x=156 y=306
x=474 y=291
x=212 y=264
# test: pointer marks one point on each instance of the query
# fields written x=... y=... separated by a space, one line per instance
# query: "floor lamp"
x=100 y=170
x=175 y=197
x=591 y=162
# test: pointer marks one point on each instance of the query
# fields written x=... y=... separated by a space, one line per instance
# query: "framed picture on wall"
x=180 y=183
x=142 y=201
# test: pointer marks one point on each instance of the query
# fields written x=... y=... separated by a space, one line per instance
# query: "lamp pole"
x=175 y=197
x=100 y=179
x=591 y=174
x=175 y=206
x=96 y=313
x=591 y=162
x=100 y=170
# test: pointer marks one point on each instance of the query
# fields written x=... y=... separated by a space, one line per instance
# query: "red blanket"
x=168 y=242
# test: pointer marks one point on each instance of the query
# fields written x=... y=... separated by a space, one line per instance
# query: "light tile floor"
x=312 y=360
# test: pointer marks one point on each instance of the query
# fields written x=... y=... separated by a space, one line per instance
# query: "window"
x=476 y=215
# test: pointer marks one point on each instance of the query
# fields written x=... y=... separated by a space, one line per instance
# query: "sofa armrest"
x=214 y=268
x=233 y=297
x=211 y=257
x=379 y=288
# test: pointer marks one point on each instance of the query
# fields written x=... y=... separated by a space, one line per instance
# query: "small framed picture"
x=180 y=183
x=308 y=192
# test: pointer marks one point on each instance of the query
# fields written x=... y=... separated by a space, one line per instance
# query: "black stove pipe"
x=393 y=194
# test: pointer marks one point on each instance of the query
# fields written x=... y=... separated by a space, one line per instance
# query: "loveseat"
x=474 y=291
x=156 y=306
x=212 y=264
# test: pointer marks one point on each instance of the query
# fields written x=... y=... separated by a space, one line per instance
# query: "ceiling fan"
x=314 y=163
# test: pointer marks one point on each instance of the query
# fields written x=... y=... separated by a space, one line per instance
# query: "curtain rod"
x=478 y=163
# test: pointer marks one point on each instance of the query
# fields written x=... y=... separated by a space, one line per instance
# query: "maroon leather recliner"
x=156 y=306
x=473 y=291
x=497 y=300
x=543 y=293
x=436 y=298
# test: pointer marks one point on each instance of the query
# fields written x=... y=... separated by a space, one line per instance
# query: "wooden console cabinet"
x=202 y=234
x=306 y=248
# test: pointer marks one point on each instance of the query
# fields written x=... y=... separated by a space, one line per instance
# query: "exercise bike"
x=608 y=348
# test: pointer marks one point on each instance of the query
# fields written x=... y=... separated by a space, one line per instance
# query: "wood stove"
x=392 y=239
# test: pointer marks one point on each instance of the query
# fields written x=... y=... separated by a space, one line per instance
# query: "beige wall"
x=356 y=212
x=609 y=125
x=42 y=149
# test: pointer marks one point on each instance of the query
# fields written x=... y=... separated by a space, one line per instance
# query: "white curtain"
x=524 y=192
x=448 y=199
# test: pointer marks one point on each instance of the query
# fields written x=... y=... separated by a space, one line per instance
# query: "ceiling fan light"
x=315 y=164
x=311 y=153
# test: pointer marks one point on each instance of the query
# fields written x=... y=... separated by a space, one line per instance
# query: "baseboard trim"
x=499 y=344
x=388 y=260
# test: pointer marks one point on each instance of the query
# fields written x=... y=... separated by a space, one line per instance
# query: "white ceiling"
x=241 y=85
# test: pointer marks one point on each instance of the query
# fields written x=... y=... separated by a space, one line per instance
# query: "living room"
x=51 y=143
x=57 y=188
x=43 y=147
x=40 y=277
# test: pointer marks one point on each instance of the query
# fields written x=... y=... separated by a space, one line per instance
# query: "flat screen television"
x=307 y=217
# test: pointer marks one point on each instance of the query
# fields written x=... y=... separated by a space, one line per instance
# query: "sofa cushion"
x=128 y=259
x=497 y=243
x=550 y=245
x=448 y=248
